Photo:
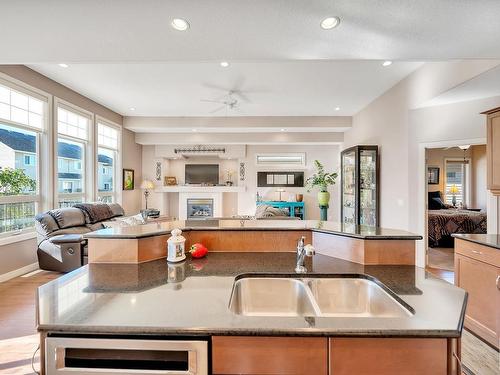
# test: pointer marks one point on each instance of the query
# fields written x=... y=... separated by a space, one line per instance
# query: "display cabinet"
x=360 y=186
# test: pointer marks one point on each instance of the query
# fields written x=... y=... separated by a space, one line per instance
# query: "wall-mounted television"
x=202 y=174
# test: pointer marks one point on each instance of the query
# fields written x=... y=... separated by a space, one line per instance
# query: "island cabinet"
x=477 y=270
x=335 y=356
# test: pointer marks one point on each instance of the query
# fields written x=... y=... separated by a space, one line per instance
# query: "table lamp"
x=454 y=191
x=147 y=185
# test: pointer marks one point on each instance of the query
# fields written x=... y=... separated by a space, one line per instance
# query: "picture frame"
x=433 y=175
x=128 y=179
x=170 y=181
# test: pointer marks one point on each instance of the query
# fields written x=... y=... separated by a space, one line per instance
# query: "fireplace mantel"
x=200 y=189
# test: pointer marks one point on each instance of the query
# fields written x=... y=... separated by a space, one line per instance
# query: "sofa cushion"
x=46 y=222
x=95 y=212
x=265 y=211
x=68 y=217
x=82 y=229
x=116 y=209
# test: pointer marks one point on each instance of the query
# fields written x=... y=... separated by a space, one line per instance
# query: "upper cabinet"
x=493 y=149
x=360 y=186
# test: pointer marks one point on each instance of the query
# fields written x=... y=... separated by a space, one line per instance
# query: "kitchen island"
x=356 y=243
x=108 y=306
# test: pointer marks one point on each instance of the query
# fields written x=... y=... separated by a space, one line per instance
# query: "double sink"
x=329 y=296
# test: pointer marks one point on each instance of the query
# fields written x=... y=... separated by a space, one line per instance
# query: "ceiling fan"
x=228 y=102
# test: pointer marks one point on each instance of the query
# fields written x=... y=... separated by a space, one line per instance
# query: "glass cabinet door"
x=349 y=187
x=368 y=187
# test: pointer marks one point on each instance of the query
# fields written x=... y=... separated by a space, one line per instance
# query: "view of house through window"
x=18 y=178
x=107 y=139
x=73 y=131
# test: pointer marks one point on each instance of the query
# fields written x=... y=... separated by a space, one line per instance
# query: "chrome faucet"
x=303 y=251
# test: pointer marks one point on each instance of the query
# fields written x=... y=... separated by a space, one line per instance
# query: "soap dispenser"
x=176 y=247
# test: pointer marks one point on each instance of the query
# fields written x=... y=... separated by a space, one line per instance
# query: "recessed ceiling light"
x=330 y=23
x=224 y=64
x=62 y=65
x=132 y=108
x=337 y=108
x=283 y=130
x=387 y=63
x=180 y=24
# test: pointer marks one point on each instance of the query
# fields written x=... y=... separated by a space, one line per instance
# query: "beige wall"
x=132 y=159
x=17 y=255
x=435 y=157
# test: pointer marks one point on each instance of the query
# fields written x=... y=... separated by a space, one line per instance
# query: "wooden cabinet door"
x=493 y=152
x=483 y=306
x=269 y=355
x=388 y=356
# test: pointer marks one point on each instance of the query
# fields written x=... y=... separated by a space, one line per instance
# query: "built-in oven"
x=75 y=356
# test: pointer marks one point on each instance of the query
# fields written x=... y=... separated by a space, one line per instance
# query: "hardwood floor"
x=18 y=337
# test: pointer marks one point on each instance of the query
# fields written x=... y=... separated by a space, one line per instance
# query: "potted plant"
x=322 y=180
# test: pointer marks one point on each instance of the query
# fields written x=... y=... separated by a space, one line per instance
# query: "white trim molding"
x=19 y=272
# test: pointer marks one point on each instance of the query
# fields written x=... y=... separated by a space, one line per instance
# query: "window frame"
x=116 y=194
x=280 y=164
x=43 y=145
x=466 y=189
x=88 y=163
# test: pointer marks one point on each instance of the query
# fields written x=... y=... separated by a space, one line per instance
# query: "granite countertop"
x=491 y=240
x=192 y=298
x=355 y=231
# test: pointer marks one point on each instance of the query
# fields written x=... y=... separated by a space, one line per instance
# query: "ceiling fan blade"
x=242 y=96
x=211 y=101
x=215 y=86
x=218 y=109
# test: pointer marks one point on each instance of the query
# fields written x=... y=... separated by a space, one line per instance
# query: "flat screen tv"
x=202 y=174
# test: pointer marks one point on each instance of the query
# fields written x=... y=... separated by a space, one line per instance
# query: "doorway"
x=455 y=201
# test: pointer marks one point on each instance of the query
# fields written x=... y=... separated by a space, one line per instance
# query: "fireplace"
x=200 y=208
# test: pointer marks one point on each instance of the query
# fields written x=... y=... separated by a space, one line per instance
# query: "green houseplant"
x=321 y=180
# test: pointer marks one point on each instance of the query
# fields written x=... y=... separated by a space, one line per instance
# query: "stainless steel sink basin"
x=271 y=297
x=322 y=297
x=351 y=297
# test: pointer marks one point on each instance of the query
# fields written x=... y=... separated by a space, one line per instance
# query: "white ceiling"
x=294 y=88
x=485 y=85
x=34 y=31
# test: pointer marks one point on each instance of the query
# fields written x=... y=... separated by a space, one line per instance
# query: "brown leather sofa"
x=61 y=246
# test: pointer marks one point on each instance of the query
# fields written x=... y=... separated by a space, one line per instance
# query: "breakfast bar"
x=356 y=243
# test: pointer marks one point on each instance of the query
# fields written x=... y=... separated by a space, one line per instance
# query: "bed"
x=442 y=223
x=443 y=220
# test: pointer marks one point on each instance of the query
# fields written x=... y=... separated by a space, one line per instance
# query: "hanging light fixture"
x=464 y=148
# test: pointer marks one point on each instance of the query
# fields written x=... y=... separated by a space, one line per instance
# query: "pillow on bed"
x=437 y=203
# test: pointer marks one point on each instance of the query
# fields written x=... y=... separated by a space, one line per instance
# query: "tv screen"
x=202 y=174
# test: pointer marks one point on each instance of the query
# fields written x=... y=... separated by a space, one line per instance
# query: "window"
x=73 y=130
x=281 y=159
x=21 y=108
x=107 y=156
x=19 y=148
x=29 y=159
x=457 y=182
